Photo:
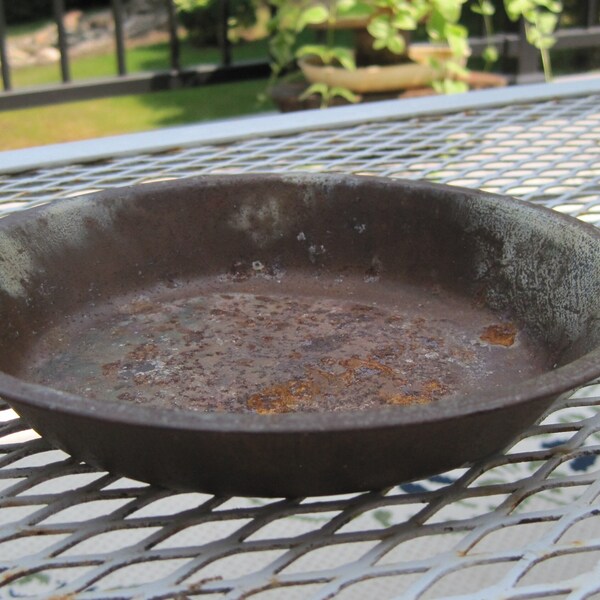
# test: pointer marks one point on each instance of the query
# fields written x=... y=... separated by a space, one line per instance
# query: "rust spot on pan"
x=144 y=351
x=431 y=390
x=259 y=346
x=340 y=377
x=282 y=398
x=502 y=334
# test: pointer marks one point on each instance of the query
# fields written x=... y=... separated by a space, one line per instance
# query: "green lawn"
x=145 y=58
x=126 y=114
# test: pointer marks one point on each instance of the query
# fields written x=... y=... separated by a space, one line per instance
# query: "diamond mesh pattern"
x=523 y=524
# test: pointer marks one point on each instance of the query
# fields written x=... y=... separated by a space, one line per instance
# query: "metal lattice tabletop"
x=522 y=524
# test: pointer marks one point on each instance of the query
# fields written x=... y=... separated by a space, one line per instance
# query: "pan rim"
x=550 y=384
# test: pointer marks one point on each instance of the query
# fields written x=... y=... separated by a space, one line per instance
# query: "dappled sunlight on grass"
x=126 y=114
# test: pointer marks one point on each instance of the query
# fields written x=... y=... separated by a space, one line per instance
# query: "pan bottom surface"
x=274 y=343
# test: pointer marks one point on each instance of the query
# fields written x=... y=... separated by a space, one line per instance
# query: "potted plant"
x=540 y=18
x=389 y=61
x=201 y=18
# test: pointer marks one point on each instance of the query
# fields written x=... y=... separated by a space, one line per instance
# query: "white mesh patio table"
x=524 y=523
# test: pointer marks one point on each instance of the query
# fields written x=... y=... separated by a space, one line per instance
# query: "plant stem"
x=330 y=41
x=488 y=25
x=547 y=66
x=545 y=55
x=489 y=30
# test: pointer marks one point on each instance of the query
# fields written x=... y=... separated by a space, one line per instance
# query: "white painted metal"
x=522 y=524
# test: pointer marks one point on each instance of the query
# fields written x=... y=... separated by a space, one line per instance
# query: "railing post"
x=173 y=37
x=117 y=10
x=528 y=67
x=593 y=13
x=59 y=11
x=3 y=51
x=224 y=33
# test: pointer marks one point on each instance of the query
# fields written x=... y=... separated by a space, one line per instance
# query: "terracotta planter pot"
x=287 y=95
x=481 y=80
x=381 y=78
x=422 y=52
x=375 y=78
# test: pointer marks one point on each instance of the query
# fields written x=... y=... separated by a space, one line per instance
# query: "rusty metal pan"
x=286 y=335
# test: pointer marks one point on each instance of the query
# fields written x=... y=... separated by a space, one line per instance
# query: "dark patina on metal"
x=290 y=335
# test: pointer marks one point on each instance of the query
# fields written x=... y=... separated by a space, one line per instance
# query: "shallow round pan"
x=292 y=335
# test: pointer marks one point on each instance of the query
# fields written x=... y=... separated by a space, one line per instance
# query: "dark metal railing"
x=117 y=8
x=223 y=32
x=59 y=12
x=509 y=44
x=174 y=48
x=124 y=82
x=593 y=13
x=6 y=81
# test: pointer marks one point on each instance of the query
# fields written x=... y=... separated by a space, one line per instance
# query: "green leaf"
x=515 y=9
x=538 y=39
x=321 y=89
x=436 y=26
x=545 y=42
x=314 y=50
x=345 y=57
x=449 y=86
x=358 y=10
x=344 y=5
x=490 y=54
x=435 y=63
x=546 y=22
x=344 y=93
x=449 y=9
x=189 y=5
x=552 y=5
x=485 y=7
x=312 y=16
x=396 y=44
x=281 y=48
x=380 y=27
x=404 y=20
x=457 y=37
x=421 y=9
x=456 y=69
x=327 y=93
x=287 y=17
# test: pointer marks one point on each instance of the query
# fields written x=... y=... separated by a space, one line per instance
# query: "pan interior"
x=265 y=341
